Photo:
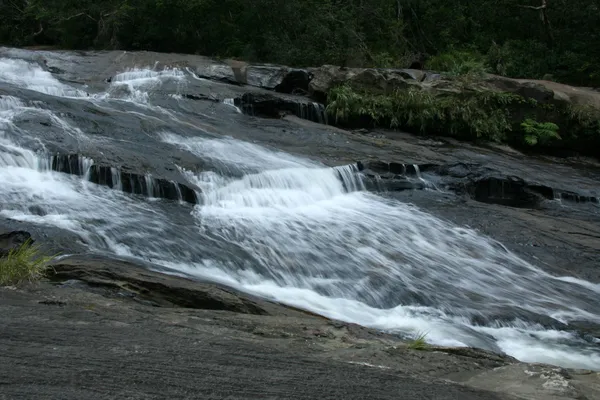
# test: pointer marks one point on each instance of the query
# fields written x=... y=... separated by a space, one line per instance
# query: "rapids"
x=279 y=225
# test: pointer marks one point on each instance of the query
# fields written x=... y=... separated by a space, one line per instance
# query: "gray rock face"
x=538 y=381
x=217 y=72
x=111 y=322
x=11 y=241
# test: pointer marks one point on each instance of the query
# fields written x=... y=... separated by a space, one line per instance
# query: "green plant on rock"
x=539 y=132
x=472 y=116
x=23 y=264
x=419 y=342
x=586 y=117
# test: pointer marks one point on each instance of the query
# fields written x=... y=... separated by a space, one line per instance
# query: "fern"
x=539 y=132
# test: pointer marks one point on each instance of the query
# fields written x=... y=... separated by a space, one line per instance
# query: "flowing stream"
x=270 y=223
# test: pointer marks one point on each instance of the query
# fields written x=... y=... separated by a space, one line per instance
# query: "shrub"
x=23 y=264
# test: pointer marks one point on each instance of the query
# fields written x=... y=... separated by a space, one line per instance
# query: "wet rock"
x=587 y=328
x=201 y=97
x=392 y=177
x=509 y=191
x=158 y=288
x=129 y=182
x=141 y=184
x=13 y=240
x=273 y=106
x=482 y=184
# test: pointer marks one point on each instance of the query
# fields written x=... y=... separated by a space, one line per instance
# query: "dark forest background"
x=547 y=39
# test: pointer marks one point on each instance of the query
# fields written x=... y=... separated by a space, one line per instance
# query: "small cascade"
x=116 y=179
x=72 y=164
x=312 y=111
x=134 y=84
x=320 y=113
x=231 y=103
x=113 y=177
x=417 y=171
x=149 y=186
x=178 y=191
x=350 y=177
x=31 y=76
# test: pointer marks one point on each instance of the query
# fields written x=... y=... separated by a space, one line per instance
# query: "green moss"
x=23 y=264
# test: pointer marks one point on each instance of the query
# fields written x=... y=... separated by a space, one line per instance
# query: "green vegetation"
x=551 y=39
x=23 y=264
x=419 y=342
x=554 y=40
x=539 y=132
x=466 y=115
x=470 y=114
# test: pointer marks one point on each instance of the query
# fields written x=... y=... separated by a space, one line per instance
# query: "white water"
x=313 y=239
x=136 y=84
x=26 y=75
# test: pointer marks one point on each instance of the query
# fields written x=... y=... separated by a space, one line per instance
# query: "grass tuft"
x=23 y=264
x=419 y=342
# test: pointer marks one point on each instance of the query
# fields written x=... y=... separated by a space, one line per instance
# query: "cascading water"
x=292 y=230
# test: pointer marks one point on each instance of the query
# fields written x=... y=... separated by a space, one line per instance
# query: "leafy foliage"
x=23 y=264
x=458 y=63
x=539 y=132
x=478 y=115
x=459 y=37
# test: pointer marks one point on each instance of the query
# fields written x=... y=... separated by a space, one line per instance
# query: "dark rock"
x=536 y=91
x=296 y=81
x=587 y=328
x=128 y=182
x=272 y=106
x=278 y=78
x=158 y=288
x=509 y=192
x=481 y=183
x=201 y=97
x=12 y=241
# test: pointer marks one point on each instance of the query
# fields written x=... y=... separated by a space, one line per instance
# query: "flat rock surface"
x=71 y=341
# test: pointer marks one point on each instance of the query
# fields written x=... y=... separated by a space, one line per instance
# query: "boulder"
x=527 y=89
x=275 y=106
x=13 y=240
x=217 y=72
x=369 y=79
x=278 y=78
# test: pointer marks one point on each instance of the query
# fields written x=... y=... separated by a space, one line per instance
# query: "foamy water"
x=289 y=229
